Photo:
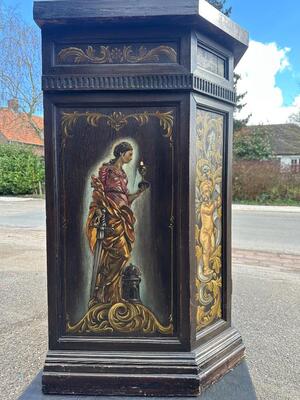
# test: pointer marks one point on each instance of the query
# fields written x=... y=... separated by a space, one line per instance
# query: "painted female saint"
x=110 y=233
x=111 y=195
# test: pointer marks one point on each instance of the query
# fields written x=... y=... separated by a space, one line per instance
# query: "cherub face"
x=206 y=195
x=205 y=169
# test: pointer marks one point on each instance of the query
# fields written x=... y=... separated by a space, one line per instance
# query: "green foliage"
x=220 y=5
x=254 y=145
x=20 y=170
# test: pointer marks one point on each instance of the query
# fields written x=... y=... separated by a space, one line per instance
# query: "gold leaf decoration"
x=121 y=317
x=208 y=229
x=117 y=120
x=117 y=55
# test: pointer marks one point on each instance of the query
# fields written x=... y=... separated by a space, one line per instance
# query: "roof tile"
x=284 y=138
x=17 y=128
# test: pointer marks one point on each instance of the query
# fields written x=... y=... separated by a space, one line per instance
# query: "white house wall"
x=286 y=161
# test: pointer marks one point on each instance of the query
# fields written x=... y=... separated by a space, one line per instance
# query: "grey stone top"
x=194 y=13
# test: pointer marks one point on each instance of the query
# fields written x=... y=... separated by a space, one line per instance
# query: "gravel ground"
x=23 y=308
x=265 y=310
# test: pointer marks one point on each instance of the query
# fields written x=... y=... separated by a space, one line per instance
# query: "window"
x=295 y=165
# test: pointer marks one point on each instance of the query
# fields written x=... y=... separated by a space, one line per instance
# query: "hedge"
x=265 y=182
x=21 y=170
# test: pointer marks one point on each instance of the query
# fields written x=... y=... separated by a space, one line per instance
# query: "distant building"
x=15 y=127
x=285 y=141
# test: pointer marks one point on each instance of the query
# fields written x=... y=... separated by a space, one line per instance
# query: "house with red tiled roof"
x=16 y=127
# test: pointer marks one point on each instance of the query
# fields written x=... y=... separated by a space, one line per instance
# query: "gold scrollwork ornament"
x=114 y=55
x=118 y=120
x=121 y=317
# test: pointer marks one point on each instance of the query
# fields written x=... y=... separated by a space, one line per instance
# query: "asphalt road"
x=265 y=310
x=277 y=231
x=22 y=213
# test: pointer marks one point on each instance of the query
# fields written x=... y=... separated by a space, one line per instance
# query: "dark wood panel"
x=165 y=50
x=54 y=9
x=71 y=192
x=99 y=53
x=153 y=235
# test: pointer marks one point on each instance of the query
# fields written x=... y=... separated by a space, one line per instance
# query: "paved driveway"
x=275 y=229
x=265 y=308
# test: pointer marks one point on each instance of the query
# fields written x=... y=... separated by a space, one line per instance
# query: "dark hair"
x=119 y=149
x=122 y=148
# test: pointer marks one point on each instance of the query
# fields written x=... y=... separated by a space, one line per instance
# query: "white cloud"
x=258 y=69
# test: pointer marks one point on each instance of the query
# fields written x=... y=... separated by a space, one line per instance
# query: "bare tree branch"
x=295 y=118
x=21 y=71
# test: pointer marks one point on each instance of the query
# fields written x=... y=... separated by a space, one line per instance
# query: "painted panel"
x=116 y=53
x=208 y=228
x=117 y=217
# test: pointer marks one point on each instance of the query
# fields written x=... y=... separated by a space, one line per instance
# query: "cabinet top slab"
x=194 y=14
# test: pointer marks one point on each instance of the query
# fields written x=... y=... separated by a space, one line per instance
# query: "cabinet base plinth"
x=142 y=373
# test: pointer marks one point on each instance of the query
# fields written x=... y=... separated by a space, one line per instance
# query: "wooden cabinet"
x=138 y=103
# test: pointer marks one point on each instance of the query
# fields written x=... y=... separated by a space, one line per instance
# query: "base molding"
x=142 y=373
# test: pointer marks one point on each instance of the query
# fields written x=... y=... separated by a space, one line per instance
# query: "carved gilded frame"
x=226 y=111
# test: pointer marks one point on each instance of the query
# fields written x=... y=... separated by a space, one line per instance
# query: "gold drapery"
x=116 y=247
x=108 y=312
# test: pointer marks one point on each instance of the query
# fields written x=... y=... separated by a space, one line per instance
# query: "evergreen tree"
x=220 y=5
x=239 y=123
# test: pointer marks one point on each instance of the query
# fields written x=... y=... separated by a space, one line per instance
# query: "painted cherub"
x=206 y=211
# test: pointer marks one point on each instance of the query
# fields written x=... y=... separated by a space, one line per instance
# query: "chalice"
x=143 y=185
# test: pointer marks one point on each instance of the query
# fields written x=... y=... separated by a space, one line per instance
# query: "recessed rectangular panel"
x=211 y=61
x=106 y=53
x=208 y=227
x=117 y=185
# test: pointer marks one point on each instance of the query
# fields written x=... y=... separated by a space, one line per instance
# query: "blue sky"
x=274 y=50
x=274 y=21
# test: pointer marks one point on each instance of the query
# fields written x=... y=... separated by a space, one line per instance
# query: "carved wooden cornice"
x=138 y=82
